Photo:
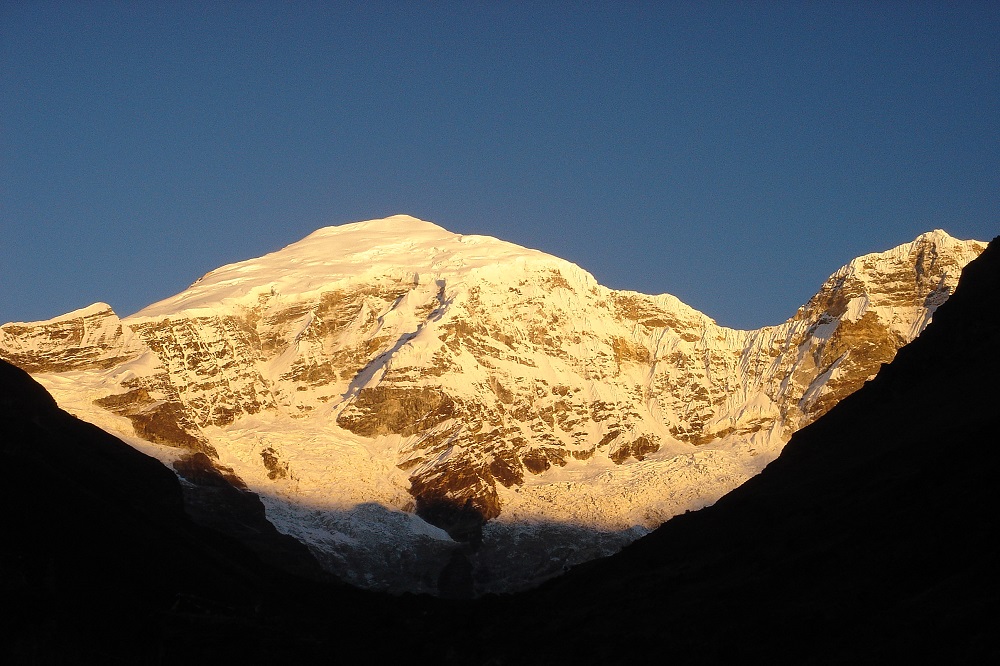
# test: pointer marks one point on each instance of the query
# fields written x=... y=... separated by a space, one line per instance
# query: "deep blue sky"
x=732 y=154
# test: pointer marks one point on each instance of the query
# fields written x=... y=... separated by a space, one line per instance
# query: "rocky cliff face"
x=87 y=339
x=401 y=396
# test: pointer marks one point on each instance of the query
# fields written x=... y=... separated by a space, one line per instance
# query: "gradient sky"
x=732 y=154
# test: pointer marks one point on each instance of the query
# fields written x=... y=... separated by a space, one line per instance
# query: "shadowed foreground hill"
x=873 y=537
x=101 y=563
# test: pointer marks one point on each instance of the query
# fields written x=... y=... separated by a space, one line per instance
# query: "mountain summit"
x=395 y=248
x=430 y=411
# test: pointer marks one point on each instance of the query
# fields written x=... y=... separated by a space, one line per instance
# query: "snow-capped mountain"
x=430 y=411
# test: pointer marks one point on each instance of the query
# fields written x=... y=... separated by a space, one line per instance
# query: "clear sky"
x=732 y=154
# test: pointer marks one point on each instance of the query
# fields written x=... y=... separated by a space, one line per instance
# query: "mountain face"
x=872 y=538
x=435 y=412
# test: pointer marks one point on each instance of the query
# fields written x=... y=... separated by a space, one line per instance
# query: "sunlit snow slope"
x=404 y=398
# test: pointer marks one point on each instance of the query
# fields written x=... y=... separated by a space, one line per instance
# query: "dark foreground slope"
x=100 y=563
x=873 y=537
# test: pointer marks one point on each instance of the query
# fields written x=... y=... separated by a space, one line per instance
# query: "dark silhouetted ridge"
x=873 y=537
